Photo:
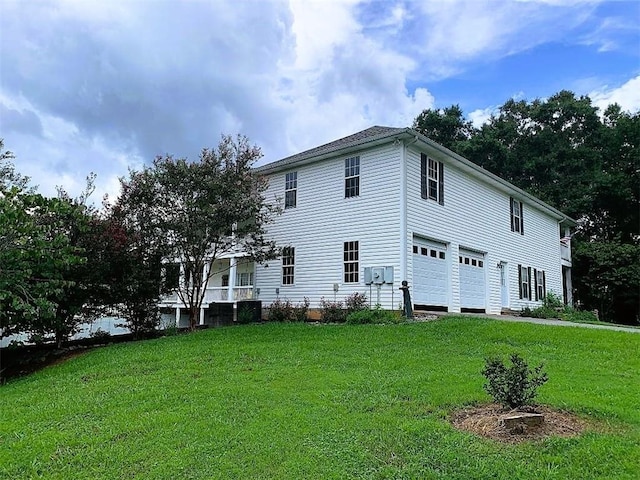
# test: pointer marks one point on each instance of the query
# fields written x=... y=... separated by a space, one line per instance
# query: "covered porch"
x=231 y=279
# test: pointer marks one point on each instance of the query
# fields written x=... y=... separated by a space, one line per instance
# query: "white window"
x=524 y=274
x=290 y=190
x=541 y=289
x=517 y=224
x=288 y=265
x=351 y=262
x=244 y=279
x=352 y=177
x=431 y=179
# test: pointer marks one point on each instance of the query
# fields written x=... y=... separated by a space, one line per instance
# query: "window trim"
x=351 y=261
x=288 y=266
x=431 y=178
x=352 y=177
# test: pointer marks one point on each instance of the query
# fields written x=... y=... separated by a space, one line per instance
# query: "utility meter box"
x=378 y=275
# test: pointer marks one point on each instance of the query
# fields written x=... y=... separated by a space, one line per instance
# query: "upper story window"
x=290 y=190
x=352 y=177
x=288 y=265
x=431 y=179
x=517 y=223
x=351 y=262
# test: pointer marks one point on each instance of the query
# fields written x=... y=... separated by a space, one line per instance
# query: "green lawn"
x=310 y=402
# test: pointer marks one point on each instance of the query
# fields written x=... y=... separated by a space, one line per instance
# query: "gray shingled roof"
x=365 y=136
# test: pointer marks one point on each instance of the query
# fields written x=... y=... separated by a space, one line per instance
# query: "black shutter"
x=520 y=280
x=423 y=175
x=529 y=275
x=521 y=220
x=440 y=183
x=544 y=285
x=535 y=286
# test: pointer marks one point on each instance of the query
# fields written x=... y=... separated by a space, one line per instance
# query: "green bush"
x=285 y=311
x=513 y=386
x=376 y=315
x=552 y=307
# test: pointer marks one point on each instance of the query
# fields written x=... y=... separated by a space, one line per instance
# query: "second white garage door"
x=430 y=279
x=472 y=280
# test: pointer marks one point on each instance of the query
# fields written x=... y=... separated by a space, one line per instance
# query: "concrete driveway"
x=555 y=322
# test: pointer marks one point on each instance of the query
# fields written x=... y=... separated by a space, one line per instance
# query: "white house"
x=365 y=212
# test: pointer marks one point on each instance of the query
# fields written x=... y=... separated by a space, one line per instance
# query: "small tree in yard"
x=513 y=386
x=195 y=212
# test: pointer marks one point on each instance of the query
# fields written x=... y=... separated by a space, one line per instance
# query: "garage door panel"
x=472 y=280
x=430 y=279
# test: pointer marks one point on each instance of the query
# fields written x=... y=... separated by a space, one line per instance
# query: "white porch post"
x=232 y=278
x=177 y=317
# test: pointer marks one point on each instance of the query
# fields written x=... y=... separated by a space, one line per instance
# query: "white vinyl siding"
x=476 y=217
x=323 y=220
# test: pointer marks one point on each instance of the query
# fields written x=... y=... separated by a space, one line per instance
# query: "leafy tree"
x=448 y=127
x=194 y=212
x=607 y=277
x=33 y=256
x=8 y=176
x=551 y=148
x=132 y=277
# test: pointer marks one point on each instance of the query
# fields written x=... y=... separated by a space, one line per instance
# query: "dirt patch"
x=484 y=420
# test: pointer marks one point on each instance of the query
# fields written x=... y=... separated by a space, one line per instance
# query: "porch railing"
x=215 y=294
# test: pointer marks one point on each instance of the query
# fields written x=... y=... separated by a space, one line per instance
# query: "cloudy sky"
x=103 y=86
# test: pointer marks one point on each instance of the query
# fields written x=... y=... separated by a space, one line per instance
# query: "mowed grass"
x=301 y=401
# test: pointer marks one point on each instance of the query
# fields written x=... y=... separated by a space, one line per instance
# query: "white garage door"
x=429 y=273
x=472 y=280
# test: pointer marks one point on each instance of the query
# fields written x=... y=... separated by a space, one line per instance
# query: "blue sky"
x=105 y=86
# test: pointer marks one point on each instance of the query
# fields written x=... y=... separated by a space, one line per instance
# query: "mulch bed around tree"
x=484 y=420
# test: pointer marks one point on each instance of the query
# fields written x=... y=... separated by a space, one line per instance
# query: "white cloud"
x=626 y=95
x=100 y=86
x=454 y=33
x=481 y=116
